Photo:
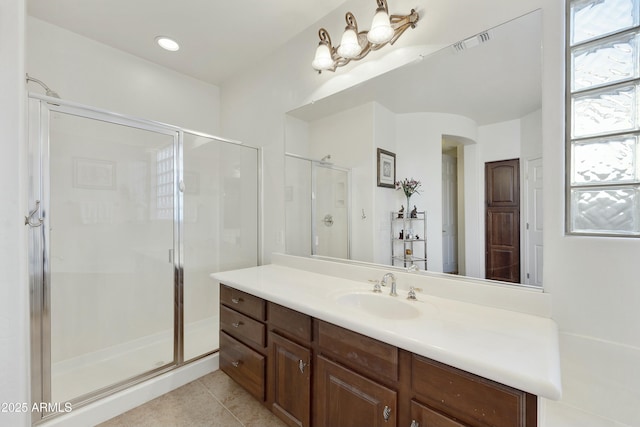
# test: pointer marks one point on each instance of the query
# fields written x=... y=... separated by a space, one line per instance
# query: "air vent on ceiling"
x=458 y=47
x=471 y=42
x=484 y=37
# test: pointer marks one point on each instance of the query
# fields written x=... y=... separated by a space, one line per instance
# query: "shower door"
x=330 y=211
x=129 y=219
x=317 y=215
x=106 y=189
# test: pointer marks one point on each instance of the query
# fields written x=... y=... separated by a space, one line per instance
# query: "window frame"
x=570 y=140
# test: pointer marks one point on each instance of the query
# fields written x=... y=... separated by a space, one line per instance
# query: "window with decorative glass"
x=603 y=117
x=164 y=183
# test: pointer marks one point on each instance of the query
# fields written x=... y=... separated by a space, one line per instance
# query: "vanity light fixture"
x=167 y=43
x=354 y=45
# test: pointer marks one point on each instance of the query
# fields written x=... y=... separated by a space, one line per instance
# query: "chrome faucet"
x=393 y=292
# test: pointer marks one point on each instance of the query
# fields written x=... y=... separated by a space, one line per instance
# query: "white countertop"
x=512 y=348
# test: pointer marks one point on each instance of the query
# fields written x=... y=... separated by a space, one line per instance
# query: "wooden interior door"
x=502 y=220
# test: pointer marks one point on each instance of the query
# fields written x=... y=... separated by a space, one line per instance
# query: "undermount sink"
x=381 y=305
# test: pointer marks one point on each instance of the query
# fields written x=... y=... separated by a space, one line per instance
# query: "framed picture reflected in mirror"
x=386 y=168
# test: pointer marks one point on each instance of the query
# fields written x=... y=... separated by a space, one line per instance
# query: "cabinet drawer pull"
x=236 y=300
x=302 y=365
x=414 y=423
x=386 y=413
x=236 y=363
x=236 y=324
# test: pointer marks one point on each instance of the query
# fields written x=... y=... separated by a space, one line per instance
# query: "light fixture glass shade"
x=381 y=30
x=167 y=43
x=349 y=46
x=322 y=60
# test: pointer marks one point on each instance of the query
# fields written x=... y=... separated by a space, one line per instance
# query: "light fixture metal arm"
x=399 y=24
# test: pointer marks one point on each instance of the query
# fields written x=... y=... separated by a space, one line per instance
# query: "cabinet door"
x=290 y=381
x=347 y=399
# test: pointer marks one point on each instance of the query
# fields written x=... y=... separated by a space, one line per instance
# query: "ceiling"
x=217 y=38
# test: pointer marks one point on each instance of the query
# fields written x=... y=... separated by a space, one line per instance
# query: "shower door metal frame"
x=39 y=251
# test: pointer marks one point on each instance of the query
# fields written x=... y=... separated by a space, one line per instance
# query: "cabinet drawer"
x=289 y=321
x=422 y=416
x=473 y=400
x=244 y=365
x=242 y=327
x=243 y=302
x=359 y=352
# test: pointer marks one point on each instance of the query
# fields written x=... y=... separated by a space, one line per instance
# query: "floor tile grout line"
x=220 y=403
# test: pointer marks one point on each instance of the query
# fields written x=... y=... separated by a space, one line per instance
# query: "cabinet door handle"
x=302 y=365
x=236 y=300
x=386 y=413
x=236 y=324
x=235 y=363
x=414 y=423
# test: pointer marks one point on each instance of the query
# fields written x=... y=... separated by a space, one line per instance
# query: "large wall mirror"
x=465 y=121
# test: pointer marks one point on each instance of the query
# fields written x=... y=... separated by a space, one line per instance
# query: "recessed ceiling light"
x=167 y=43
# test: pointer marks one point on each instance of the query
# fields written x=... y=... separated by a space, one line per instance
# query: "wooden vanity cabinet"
x=312 y=373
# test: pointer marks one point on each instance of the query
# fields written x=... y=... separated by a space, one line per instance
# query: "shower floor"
x=85 y=374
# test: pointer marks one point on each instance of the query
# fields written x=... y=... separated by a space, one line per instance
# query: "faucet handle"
x=376 y=286
x=412 y=294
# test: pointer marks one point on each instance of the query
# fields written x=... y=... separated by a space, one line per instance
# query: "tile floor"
x=214 y=400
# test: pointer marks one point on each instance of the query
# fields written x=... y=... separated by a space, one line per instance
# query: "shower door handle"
x=28 y=220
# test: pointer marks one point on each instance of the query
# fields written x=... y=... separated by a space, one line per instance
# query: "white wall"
x=419 y=142
x=531 y=135
x=84 y=71
x=385 y=199
x=592 y=281
x=500 y=141
x=14 y=290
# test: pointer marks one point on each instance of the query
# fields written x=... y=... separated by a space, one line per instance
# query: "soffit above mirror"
x=501 y=65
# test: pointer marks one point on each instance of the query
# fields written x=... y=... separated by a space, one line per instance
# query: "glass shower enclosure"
x=129 y=217
x=318 y=206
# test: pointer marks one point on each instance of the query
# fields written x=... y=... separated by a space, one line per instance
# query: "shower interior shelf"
x=408 y=239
